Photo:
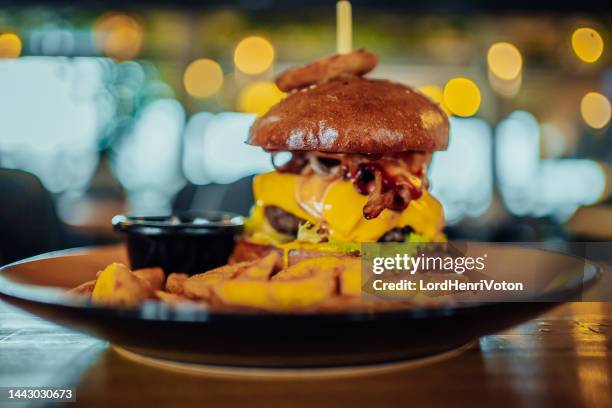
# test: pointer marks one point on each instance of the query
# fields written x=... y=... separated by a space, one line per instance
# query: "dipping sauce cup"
x=191 y=242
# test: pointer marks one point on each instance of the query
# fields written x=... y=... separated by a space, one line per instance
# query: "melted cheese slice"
x=342 y=208
x=310 y=194
x=279 y=190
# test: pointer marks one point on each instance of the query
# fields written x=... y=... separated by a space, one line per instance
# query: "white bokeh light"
x=193 y=148
x=216 y=152
x=50 y=123
x=147 y=161
x=517 y=157
x=531 y=186
x=462 y=176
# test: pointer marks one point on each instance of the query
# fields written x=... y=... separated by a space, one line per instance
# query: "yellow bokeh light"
x=587 y=44
x=10 y=45
x=259 y=97
x=462 y=96
x=595 y=109
x=203 y=78
x=118 y=35
x=505 y=60
x=254 y=55
x=436 y=94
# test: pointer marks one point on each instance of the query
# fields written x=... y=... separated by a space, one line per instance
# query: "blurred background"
x=144 y=108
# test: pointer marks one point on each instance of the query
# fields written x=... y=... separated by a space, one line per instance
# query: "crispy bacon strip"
x=377 y=200
x=358 y=62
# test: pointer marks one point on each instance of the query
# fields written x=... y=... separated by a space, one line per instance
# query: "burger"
x=350 y=156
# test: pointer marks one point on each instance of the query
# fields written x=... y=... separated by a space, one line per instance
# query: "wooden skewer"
x=344 y=27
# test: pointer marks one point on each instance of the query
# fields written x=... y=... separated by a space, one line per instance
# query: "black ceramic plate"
x=263 y=339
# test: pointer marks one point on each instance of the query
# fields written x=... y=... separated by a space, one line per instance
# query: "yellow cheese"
x=279 y=190
x=425 y=216
x=342 y=209
x=310 y=192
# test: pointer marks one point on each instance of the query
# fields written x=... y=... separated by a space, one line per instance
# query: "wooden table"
x=563 y=358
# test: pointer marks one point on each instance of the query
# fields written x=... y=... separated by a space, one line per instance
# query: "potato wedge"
x=325 y=265
x=260 y=269
x=247 y=251
x=175 y=281
x=321 y=266
x=153 y=276
x=317 y=283
x=199 y=286
x=118 y=286
x=172 y=298
x=275 y=295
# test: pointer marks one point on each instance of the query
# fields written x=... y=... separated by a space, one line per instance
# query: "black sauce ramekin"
x=190 y=242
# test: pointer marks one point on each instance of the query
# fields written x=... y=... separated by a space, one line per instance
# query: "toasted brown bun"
x=246 y=250
x=353 y=115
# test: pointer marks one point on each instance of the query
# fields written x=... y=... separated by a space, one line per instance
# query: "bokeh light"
x=203 y=78
x=517 y=161
x=595 y=109
x=51 y=40
x=147 y=161
x=10 y=45
x=466 y=189
x=223 y=155
x=118 y=35
x=254 y=55
x=462 y=97
x=51 y=116
x=587 y=178
x=436 y=94
x=505 y=60
x=587 y=44
x=258 y=97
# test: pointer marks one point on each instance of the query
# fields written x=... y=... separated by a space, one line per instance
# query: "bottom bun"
x=247 y=250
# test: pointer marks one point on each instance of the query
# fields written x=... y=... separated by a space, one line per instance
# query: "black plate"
x=264 y=339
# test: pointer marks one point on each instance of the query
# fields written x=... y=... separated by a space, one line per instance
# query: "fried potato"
x=171 y=298
x=246 y=251
x=325 y=282
x=325 y=265
x=84 y=288
x=153 y=276
x=275 y=295
x=260 y=269
x=199 y=286
x=117 y=285
x=175 y=281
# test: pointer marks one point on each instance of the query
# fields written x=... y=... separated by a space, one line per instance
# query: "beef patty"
x=396 y=234
x=282 y=221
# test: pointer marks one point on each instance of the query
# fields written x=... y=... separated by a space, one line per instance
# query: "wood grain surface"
x=563 y=358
